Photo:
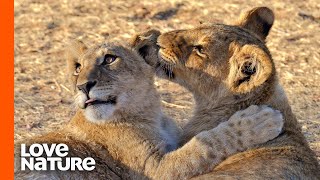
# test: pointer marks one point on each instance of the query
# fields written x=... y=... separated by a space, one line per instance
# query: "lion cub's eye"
x=77 y=70
x=108 y=59
x=199 y=50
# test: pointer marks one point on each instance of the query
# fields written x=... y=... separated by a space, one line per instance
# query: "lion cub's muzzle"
x=85 y=88
x=164 y=67
x=91 y=101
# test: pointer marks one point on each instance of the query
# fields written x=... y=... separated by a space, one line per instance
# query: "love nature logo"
x=42 y=157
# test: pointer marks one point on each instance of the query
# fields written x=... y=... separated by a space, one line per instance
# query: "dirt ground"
x=43 y=101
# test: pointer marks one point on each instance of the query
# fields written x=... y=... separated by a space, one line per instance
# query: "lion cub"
x=120 y=123
x=228 y=68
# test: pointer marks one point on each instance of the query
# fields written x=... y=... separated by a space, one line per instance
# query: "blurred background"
x=43 y=100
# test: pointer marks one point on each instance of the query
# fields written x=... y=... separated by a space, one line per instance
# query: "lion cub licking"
x=120 y=123
x=228 y=68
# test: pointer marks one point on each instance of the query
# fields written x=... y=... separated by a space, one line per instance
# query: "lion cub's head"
x=108 y=80
x=215 y=59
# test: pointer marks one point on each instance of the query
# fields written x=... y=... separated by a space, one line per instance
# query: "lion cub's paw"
x=257 y=124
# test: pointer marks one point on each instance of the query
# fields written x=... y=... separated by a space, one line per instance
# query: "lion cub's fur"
x=228 y=68
x=120 y=124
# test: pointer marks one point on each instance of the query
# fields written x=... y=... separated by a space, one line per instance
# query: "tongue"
x=90 y=100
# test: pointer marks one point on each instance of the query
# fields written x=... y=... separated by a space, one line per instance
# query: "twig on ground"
x=26 y=101
x=57 y=84
x=173 y=105
x=64 y=87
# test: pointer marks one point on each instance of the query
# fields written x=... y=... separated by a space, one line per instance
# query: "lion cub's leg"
x=245 y=129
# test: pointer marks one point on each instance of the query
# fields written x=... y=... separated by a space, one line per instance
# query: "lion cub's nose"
x=85 y=88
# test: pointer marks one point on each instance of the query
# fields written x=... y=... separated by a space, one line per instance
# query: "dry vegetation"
x=43 y=101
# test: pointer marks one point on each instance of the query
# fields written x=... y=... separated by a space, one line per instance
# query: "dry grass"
x=42 y=28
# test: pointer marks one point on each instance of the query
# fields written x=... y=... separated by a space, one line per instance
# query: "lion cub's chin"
x=99 y=113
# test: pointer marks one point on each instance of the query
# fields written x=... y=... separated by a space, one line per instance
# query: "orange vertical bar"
x=7 y=89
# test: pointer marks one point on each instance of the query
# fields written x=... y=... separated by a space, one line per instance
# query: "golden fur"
x=228 y=68
x=120 y=124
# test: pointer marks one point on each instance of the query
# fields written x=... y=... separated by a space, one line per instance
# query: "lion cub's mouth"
x=162 y=54
x=92 y=101
x=165 y=66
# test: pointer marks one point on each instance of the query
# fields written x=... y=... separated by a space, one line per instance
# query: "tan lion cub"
x=120 y=123
x=228 y=68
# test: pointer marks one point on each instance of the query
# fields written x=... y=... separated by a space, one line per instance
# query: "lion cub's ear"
x=250 y=67
x=146 y=45
x=73 y=51
x=258 y=20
